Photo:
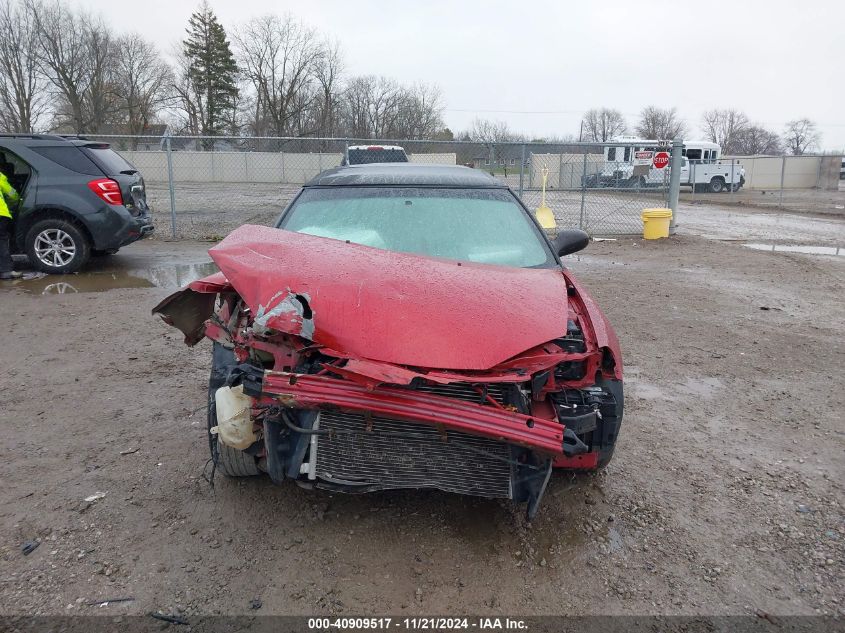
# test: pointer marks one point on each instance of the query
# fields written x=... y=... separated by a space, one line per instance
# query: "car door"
x=25 y=181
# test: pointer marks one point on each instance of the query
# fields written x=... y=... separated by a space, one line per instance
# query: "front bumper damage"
x=292 y=405
x=327 y=417
x=297 y=391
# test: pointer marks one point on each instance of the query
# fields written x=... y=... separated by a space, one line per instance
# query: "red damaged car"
x=404 y=326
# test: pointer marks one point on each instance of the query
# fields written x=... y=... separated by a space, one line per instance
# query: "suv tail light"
x=107 y=189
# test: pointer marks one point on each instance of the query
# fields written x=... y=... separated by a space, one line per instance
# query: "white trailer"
x=629 y=165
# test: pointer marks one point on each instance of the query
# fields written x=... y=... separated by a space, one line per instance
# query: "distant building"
x=510 y=156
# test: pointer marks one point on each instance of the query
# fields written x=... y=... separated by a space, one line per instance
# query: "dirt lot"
x=725 y=495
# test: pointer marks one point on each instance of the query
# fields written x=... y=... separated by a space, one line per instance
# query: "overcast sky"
x=540 y=65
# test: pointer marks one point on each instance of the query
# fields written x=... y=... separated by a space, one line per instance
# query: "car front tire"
x=57 y=246
x=608 y=445
x=231 y=461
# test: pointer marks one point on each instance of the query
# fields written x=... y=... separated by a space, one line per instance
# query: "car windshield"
x=476 y=225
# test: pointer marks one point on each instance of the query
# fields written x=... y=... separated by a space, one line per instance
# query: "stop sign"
x=661 y=159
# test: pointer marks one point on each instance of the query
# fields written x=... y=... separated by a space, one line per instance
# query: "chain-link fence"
x=808 y=183
x=203 y=187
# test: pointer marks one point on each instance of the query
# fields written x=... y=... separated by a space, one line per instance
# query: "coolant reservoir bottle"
x=234 y=424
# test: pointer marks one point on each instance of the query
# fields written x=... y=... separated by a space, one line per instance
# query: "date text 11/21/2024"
x=416 y=624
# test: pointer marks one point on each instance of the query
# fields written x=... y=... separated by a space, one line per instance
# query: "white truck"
x=629 y=164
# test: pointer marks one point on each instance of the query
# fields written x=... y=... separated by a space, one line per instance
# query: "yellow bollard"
x=656 y=223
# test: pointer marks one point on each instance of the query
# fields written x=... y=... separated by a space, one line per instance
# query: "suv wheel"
x=57 y=246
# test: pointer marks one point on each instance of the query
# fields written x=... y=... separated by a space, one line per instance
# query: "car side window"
x=69 y=157
x=694 y=155
x=20 y=169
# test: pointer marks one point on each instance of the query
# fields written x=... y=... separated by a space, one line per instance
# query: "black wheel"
x=57 y=246
x=717 y=185
x=231 y=461
x=608 y=431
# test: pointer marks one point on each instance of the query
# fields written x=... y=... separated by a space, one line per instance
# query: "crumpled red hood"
x=392 y=307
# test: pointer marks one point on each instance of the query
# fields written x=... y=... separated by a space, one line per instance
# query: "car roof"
x=375 y=174
x=51 y=140
x=377 y=147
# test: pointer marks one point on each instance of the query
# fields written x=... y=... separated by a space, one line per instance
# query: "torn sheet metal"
x=187 y=310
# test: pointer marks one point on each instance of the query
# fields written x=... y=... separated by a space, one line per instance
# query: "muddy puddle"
x=171 y=276
x=797 y=248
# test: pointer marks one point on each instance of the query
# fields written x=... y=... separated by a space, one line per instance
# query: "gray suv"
x=78 y=198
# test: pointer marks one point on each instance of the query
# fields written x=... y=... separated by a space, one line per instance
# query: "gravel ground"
x=725 y=495
x=211 y=210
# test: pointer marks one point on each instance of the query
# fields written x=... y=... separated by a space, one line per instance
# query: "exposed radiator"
x=464 y=391
x=398 y=454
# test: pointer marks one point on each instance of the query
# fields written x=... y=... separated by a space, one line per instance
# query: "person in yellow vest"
x=8 y=196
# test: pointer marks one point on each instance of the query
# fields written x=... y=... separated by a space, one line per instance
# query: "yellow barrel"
x=656 y=223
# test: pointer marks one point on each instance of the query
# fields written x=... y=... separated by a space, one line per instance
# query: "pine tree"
x=212 y=70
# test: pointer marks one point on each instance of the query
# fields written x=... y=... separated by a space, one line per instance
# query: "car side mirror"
x=570 y=241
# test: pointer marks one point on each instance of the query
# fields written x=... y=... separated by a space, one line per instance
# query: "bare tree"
x=382 y=112
x=143 y=82
x=420 y=112
x=101 y=99
x=488 y=131
x=356 y=103
x=800 y=135
x=190 y=99
x=602 y=124
x=278 y=57
x=64 y=57
x=372 y=106
x=724 y=127
x=23 y=102
x=756 y=139
x=77 y=55
x=493 y=135
x=328 y=68
x=660 y=124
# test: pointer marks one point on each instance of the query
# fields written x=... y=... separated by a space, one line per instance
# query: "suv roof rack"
x=38 y=137
x=21 y=135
